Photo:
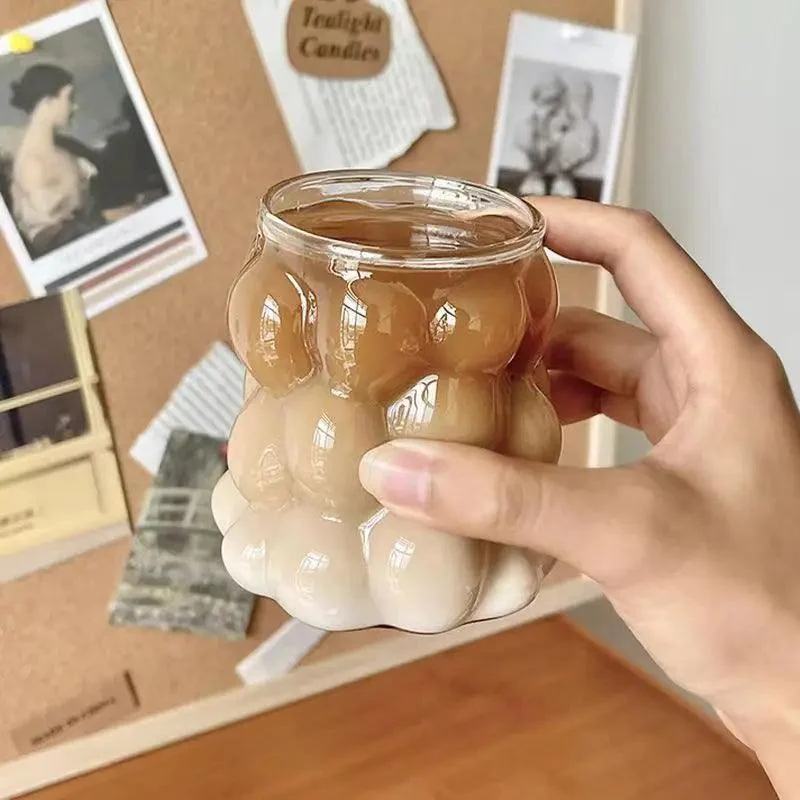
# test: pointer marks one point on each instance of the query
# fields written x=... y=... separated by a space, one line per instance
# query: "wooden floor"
x=538 y=712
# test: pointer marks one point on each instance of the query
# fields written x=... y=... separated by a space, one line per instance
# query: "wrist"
x=776 y=750
x=769 y=723
x=763 y=703
x=775 y=740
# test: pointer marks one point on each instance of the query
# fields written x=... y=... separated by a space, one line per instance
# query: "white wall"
x=718 y=150
x=718 y=160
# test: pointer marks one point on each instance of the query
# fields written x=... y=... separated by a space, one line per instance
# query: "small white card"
x=346 y=123
x=560 y=119
x=280 y=653
x=89 y=196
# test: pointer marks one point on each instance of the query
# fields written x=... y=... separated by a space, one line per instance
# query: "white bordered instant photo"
x=89 y=197
x=561 y=113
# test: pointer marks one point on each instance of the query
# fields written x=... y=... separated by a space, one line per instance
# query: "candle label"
x=338 y=38
x=99 y=706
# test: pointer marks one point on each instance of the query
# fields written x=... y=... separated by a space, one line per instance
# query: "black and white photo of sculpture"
x=557 y=124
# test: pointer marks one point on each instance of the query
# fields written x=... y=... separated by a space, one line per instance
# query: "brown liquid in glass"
x=345 y=354
x=385 y=352
x=414 y=231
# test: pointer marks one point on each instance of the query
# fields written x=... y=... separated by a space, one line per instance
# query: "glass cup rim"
x=529 y=239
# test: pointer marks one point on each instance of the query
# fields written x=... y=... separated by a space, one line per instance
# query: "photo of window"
x=36 y=354
x=59 y=475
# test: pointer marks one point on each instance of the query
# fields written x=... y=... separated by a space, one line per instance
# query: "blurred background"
x=711 y=150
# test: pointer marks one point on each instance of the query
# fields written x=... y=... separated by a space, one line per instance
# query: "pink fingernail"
x=398 y=475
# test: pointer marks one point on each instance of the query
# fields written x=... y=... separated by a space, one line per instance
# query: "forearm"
x=781 y=762
x=777 y=747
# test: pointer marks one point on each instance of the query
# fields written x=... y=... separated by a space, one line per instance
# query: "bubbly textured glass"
x=375 y=306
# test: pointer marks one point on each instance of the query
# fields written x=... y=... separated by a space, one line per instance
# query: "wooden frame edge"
x=603 y=433
x=104 y=748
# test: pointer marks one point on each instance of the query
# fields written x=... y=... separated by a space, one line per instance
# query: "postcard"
x=174 y=579
x=90 y=199
x=60 y=486
x=560 y=118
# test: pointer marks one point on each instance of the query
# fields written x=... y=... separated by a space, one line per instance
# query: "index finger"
x=659 y=281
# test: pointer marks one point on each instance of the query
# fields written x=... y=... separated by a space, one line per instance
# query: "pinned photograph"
x=89 y=197
x=174 y=578
x=36 y=356
x=561 y=113
x=59 y=475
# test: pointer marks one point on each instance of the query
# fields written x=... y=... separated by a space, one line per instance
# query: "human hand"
x=697 y=546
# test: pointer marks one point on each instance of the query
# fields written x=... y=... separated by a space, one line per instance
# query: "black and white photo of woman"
x=73 y=168
x=88 y=196
x=50 y=183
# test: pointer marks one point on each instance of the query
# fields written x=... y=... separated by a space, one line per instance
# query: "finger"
x=588 y=518
x=661 y=283
x=576 y=400
x=625 y=410
x=599 y=349
x=573 y=399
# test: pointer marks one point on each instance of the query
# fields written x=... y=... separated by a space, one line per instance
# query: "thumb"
x=594 y=519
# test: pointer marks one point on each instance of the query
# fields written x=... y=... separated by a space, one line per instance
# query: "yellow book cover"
x=59 y=476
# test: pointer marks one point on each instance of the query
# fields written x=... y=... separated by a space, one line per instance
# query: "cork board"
x=200 y=72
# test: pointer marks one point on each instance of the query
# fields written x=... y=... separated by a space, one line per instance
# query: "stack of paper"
x=206 y=401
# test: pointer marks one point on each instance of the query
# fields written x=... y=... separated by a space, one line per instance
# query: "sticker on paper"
x=351 y=123
x=338 y=38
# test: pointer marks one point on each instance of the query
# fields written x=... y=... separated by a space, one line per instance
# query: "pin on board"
x=20 y=43
x=338 y=38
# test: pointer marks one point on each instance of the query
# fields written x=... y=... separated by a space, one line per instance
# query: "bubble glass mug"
x=375 y=306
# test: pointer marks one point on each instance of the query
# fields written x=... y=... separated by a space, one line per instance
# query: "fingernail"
x=398 y=474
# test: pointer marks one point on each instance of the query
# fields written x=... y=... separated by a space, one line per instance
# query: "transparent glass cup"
x=376 y=306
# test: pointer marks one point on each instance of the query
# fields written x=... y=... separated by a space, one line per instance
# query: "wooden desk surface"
x=537 y=712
